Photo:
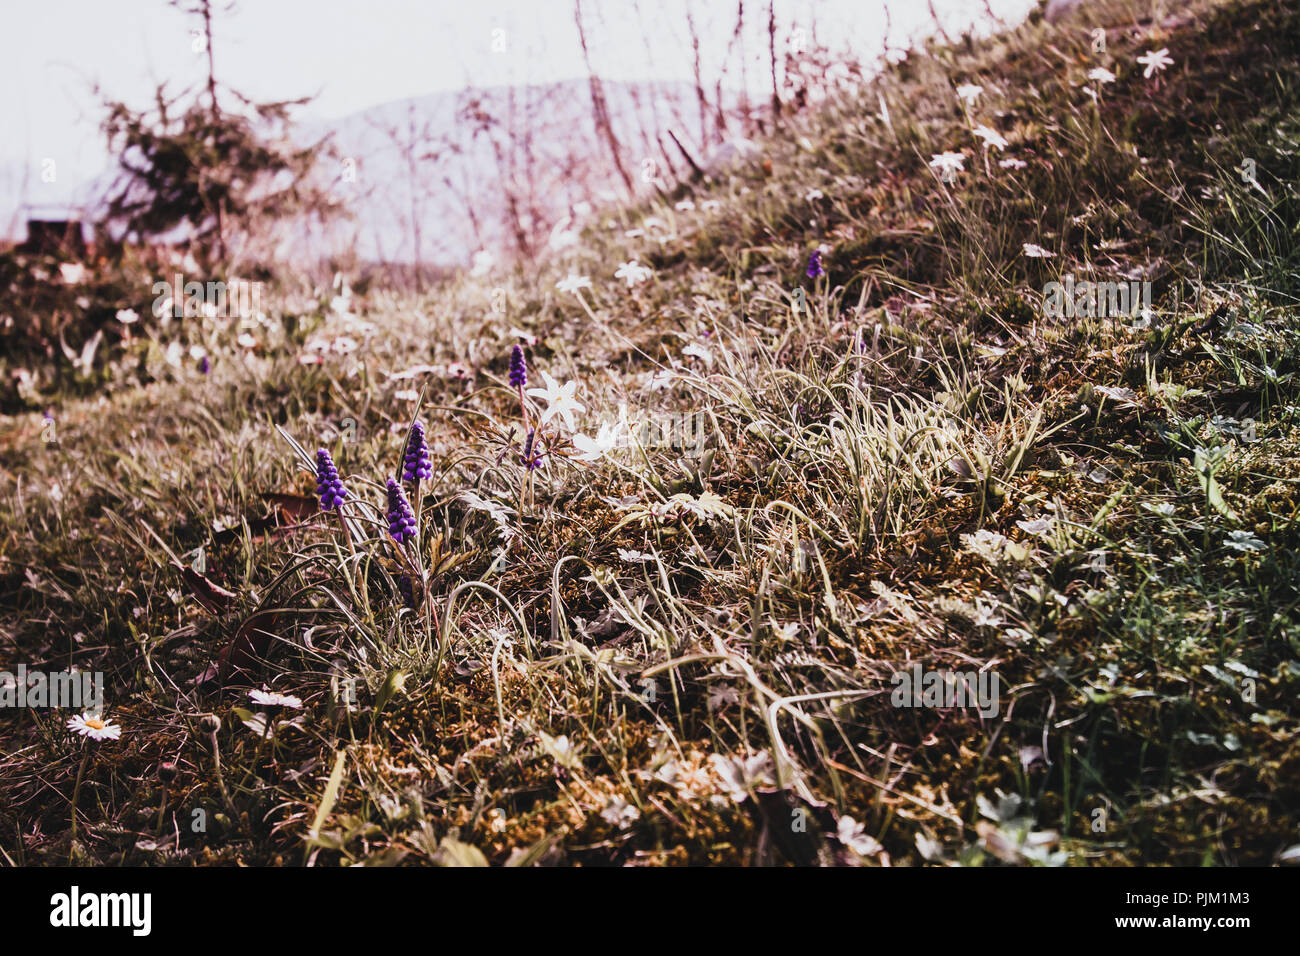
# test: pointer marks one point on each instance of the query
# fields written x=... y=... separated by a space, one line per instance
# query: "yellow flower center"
x=94 y=723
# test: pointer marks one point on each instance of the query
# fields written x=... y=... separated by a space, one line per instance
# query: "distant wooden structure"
x=55 y=231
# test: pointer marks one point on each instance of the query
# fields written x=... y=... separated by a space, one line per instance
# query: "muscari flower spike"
x=204 y=365
x=518 y=368
x=417 y=465
x=328 y=485
x=815 y=270
x=407 y=590
x=401 y=519
x=532 y=456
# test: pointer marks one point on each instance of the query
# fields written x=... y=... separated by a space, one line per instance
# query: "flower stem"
x=76 y=792
x=221 y=780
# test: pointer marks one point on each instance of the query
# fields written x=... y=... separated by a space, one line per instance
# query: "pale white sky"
x=353 y=54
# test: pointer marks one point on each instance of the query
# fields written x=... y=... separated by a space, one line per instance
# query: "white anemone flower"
x=594 y=449
x=992 y=138
x=560 y=400
x=573 y=282
x=948 y=164
x=1155 y=61
x=633 y=273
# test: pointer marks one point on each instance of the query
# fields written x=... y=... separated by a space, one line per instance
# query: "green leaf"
x=529 y=856
x=330 y=796
x=452 y=852
x=394 y=684
x=1209 y=485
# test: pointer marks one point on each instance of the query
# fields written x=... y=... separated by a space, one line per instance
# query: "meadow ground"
x=676 y=639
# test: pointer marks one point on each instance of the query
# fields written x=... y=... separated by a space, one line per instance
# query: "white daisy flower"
x=96 y=728
x=1037 y=252
x=127 y=316
x=969 y=93
x=1012 y=163
x=263 y=698
x=685 y=206
x=1101 y=75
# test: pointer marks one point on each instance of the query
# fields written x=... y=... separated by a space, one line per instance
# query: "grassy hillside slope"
x=688 y=654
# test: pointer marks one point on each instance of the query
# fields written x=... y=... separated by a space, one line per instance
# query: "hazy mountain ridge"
x=559 y=161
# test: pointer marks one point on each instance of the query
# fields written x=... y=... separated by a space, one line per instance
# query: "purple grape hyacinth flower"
x=815 y=270
x=518 y=368
x=407 y=590
x=417 y=465
x=204 y=365
x=531 y=458
x=328 y=485
x=401 y=519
